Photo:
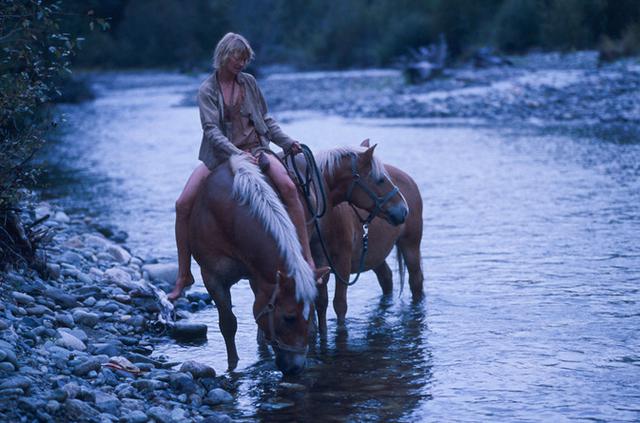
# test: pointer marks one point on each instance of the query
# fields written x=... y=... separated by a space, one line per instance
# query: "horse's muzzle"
x=397 y=215
x=290 y=364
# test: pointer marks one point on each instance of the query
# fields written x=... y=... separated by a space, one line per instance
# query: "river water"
x=530 y=252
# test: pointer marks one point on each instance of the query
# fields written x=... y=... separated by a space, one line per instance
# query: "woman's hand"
x=295 y=148
x=251 y=157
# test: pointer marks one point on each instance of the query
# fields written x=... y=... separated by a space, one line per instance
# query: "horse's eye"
x=380 y=181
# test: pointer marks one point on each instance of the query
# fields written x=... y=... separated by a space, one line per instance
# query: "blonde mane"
x=329 y=160
x=251 y=188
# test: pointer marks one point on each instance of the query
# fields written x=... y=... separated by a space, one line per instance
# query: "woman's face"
x=236 y=62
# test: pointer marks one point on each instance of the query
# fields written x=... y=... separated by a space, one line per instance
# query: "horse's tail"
x=401 y=266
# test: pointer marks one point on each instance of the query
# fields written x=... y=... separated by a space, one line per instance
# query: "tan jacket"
x=216 y=147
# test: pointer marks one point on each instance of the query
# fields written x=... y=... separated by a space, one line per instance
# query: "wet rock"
x=88 y=291
x=198 y=370
x=150 y=305
x=188 y=331
x=183 y=383
x=61 y=298
x=199 y=296
x=52 y=406
x=209 y=383
x=78 y=333
x=121 y=255
x=159 y=414
x=80 y=410
x=13 y=382
x=91 y=364
x=71 y=258
x=85 y=318
x=119 y=277
x=22 y=299
x=7 y=367
x=217 y=396
x=11 y=392
x=65 y=320
x=135 y=416
x=147 y=385
x=165 y=272
x=69 y=341
x=71 y=389
x=178 y=415
x=107 y=403
x=110 y=348
x=217 y=417
x=38 y=310
x=31 y=404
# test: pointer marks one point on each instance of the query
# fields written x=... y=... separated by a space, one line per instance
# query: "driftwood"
x=20 y=243
x=425 y=63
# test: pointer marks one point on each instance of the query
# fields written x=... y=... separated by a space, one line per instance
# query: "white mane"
x=329 y=160
x=250 y=187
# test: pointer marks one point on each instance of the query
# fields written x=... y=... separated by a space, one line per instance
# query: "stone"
x=71 y=258
x=9 y=354
x=7 y=367
x=178 y=415
x=165 y=272
x=96 y=242
x=65 y=320
x=23 y=299
x=85 y=318
x=135 y=416
x=110 y=348
x=13 y=382
x=107 y=403
x=80 y=410
x=78 y=333
x=31 y=404
x=89 y=302
x=61 y=217
x=107 y=377
x=198 y=370
x=88 y=291
x=52 y=406
x=217 y=417
x=159 y=414
x=183 y=383
x=87 y=366
x=38 y=310
x=193 y=332
x=217 y=396
x=62 y=298
x=121 y=278
x=121 y=255
x=53 y=270
x=69 y=341
x=11 y=392
x=72 y=390
x=147 y=385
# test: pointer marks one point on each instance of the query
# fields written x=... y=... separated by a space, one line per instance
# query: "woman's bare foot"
x=182 y=283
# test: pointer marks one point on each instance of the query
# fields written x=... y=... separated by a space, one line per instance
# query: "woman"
x=234 y=120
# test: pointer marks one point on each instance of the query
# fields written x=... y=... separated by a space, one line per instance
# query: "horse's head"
x=284 y=318
x=361 y=179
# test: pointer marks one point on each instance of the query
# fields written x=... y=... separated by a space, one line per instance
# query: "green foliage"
x=34 y=53
x=517 y=26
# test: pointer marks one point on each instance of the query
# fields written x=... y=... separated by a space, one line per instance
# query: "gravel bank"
x=79 y=345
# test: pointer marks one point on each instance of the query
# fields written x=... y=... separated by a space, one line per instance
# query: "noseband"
x=269 y=310
x=378 y=201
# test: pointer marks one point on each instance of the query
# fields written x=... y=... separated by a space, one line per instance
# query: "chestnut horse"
x=342 y=230
x=240 y=229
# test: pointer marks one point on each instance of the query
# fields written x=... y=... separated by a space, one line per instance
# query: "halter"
x=269 y=310
x=378 y=201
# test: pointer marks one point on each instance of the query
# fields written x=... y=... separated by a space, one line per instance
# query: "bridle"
x=378 y=201
x=269 y=311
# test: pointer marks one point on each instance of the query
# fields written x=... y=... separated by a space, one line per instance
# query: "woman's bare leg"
x=289 y=193
x=184 y=205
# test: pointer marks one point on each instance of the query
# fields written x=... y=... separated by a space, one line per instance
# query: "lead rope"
x=312 y=172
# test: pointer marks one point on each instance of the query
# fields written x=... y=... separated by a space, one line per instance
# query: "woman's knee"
x=288 y=190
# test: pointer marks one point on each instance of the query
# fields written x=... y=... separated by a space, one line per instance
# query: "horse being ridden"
x=240 y=229
x=342 y=228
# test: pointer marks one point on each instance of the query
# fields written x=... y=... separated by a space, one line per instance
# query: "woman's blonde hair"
x=229 y=45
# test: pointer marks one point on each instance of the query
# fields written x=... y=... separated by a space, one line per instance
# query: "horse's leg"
x=322 y=302
x=385 y=277
x=343 y=265
x=410 y=250
x=227 y=322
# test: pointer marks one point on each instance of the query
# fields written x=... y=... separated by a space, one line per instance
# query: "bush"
x=34 y=54
x=517 y=26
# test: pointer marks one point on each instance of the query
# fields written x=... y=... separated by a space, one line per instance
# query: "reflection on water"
x=531 y=258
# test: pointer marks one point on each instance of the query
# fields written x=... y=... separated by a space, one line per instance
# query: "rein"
x=269 y=311
x=315 y=215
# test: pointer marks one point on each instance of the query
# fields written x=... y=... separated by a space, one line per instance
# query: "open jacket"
x=216 y=147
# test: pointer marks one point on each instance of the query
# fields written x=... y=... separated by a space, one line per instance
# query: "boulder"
x=198 y=370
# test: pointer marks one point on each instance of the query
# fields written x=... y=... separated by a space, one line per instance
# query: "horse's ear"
x=320 y=273
x=365 y=143
x=369 y=153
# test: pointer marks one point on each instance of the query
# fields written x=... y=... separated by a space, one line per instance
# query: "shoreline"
x=78 y=345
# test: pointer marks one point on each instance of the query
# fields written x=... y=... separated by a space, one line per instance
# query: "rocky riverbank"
x=78 y=343
x=543 y=88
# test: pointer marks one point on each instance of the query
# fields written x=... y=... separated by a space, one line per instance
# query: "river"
x=531 y=256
